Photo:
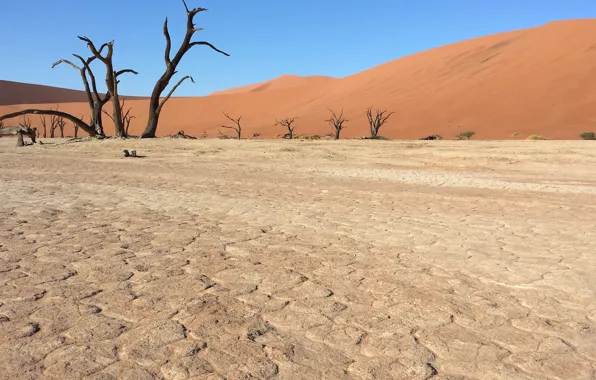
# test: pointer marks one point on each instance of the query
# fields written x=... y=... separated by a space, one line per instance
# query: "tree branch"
x=174 y=89
x=168 y=51
x=67 y=62
x=97 y=53
x=84 y=126
x=87 y=69
x=205 y=43
x=125 y=71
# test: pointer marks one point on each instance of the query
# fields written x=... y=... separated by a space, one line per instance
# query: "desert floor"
x=298 y=260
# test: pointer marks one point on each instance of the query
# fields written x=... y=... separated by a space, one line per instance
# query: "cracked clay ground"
x=298 y=260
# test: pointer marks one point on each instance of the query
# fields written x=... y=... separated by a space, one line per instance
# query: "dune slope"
x=532 y=81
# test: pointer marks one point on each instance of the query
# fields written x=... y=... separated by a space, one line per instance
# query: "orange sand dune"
x=281 y=82
x=534 y=81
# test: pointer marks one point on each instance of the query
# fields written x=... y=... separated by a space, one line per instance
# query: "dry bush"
x=536 y=137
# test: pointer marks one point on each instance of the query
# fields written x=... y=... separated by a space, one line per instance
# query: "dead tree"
x=44 y=125
x=237 y=128
x=337 y=122
x=156 y=103
x=26 y=122
x=61 y=123
x=111 y=82
x=377 y=121
x=76 y=129
x=287 y=123
x=126 y=118
x=96 y=102
x=84 y=126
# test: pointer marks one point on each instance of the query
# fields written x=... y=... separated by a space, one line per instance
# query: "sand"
x=505 y=86
x=298 y=260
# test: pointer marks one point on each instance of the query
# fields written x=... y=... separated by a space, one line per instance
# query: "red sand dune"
x=281 y=82
x=533 y=81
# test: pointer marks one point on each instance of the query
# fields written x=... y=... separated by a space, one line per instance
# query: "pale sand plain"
x=298 y=260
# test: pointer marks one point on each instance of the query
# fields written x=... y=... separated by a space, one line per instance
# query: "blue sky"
x=265 y=38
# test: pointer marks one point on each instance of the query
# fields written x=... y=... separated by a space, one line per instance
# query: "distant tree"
x=287 y=123
x=61 y=123
x=126 y=118
x=337 y=122
x=588 y=136
x=44 y=125
x=236 y=128
x=156 y=102
x=377 y=121
x=25 y=122
x=465 y=135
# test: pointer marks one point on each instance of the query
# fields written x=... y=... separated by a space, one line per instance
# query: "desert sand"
x=532 y=81
x=298 y=260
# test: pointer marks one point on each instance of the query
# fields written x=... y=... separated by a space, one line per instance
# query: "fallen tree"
x=75 y=120
x=156 y=103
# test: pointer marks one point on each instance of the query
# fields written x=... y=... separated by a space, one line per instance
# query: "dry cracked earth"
x=298 y=260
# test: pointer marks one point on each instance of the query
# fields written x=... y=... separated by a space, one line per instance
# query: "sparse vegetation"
x=588 y=136
x=376 y=122
x=432 y=137
x=337 y=122
x=237 y=126
x=307 y=137
x=287 y=123
x=536 y=137
x=181 y=135
x=465 y=135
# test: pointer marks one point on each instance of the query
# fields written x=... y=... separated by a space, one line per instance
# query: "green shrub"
x=465 y=135
x=536 y=137
x=588 y=136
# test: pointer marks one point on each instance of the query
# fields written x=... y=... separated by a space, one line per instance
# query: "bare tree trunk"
x=377 y=121
x=111 y=83
x=287 y=123
x=156 y=103
x=237 y=128
x=20 y=141
x=76 y=131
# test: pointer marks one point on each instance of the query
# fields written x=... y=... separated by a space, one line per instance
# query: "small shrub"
x=307 y=137
x=181 y=135
x=536 y=137
x=465 y=135
x=432 y=137
x=588 y=136
x=515 y=134
x=376 y=138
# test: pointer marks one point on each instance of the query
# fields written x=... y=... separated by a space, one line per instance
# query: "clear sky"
x=266 y=38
